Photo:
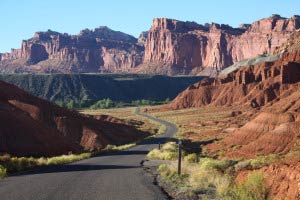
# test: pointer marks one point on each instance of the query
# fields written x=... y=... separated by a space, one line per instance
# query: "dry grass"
x=2 y=172
x=167 y=152
x=196 y=120
x=17 y=164
x=209 y=179
x=119 y=148
x=127 y=114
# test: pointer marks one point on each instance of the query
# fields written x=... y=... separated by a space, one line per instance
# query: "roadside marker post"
x=179 y=156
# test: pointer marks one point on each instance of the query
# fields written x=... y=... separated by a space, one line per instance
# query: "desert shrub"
x=210 y=182
x=191 y=158
x=2 y=171
x=162 y=129
x=262 y=161
x=256 y=163
x=252 y=189
x=245 y=164
x=119 y=148
x=167 y=152
x=170 y=146
x=214 y=164
x=169 y=174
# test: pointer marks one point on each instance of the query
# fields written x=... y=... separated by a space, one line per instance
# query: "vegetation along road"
x=108 y=177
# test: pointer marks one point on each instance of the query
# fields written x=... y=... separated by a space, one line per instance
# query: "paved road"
x=110 y=177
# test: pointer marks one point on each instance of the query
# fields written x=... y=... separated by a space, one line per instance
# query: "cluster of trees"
x=145 y=102
x=107 y=103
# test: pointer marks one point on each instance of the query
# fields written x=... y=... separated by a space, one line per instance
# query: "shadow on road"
x=74 y=168
x=157 y=140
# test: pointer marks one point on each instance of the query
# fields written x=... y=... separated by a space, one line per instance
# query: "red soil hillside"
x=255 y=85
x=268 y=93
x=34 y=127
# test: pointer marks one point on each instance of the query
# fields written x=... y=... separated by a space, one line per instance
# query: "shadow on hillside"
x=195 y=146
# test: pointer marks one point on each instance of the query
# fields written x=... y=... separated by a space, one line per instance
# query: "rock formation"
x=169 y=47
x=268 y=99
x=96 y=50
x=255 y=85
x=34 y=127
x=186 y=47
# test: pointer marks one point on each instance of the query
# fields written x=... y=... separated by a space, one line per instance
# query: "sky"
x=20 y=19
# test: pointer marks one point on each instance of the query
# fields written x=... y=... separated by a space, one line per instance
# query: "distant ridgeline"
x=86 y=89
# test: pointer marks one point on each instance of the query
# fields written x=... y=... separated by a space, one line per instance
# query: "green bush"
x=191 y=158
x=257 y=162
x=167 y=152
x=2 y=171
x=252 y=189
x=214 y=164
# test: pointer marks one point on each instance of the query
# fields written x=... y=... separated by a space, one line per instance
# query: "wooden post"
x=179 y=156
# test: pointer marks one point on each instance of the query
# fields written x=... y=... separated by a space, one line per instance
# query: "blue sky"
x=21 y=18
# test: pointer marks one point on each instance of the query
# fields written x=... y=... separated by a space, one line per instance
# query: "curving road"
x=117 y=176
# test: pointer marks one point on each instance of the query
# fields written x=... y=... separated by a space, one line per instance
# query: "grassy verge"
x=16 y=164
x=208 y=178
x=213 y=179
x=10 y=165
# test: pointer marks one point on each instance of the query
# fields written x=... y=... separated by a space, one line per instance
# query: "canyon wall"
x=169 y=47
x=186 y=47
x=98 y=50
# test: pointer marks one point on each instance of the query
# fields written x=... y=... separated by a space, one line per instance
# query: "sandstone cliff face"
x=169 y=47
x=96 y=50
x=186 y=47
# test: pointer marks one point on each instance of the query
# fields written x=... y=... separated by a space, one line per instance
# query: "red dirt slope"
x=255 y=85
x=30 y=126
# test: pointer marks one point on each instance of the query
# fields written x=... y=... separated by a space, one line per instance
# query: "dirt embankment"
x=34 y=127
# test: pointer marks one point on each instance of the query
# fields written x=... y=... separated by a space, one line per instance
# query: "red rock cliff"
x=184 y=47
x=96 y=50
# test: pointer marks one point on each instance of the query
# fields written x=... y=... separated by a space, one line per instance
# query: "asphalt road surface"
x=118 y=176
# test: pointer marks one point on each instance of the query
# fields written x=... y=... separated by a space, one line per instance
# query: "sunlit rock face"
x=187 y=46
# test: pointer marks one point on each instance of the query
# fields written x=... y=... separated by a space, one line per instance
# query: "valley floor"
x=114 y=176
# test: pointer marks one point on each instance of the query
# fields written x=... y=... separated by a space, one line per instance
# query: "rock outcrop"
x=255 y=85
x=99 y=50
x=34 y=127
x=169 y=47
x=186 y=47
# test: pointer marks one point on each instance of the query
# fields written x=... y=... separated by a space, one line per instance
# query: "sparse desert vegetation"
x=128 y=115
x=201 y=124
x=17 y=164
x=213 y=179
x=202 y=176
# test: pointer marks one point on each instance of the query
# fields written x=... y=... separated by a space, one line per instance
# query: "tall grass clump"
x=2 y=171
x=191 y=158
x=252 y=189
x=167 y=152
x=209 y=177
x=119 y=148
x=213 y=179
